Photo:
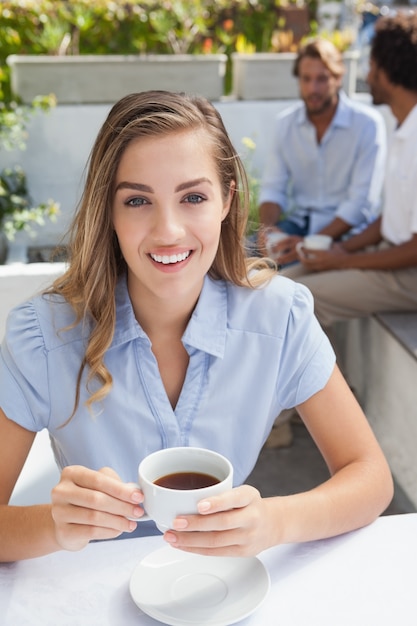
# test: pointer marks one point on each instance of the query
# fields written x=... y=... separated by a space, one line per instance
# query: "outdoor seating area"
x=208 y=312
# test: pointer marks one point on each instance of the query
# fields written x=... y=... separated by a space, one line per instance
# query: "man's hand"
x=322 y=260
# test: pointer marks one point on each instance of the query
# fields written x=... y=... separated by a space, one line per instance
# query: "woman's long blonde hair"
x=95 y=260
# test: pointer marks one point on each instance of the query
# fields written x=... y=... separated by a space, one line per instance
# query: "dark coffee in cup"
x=186 y=480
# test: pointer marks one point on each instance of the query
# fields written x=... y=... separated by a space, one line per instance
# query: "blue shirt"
x=252 y=353
x=342 y=176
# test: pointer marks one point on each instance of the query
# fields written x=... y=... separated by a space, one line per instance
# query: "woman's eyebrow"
x=138 y=186
x=192 y=183
x=141 y=187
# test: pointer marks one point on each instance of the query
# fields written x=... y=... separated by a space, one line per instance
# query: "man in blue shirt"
x=325 y=170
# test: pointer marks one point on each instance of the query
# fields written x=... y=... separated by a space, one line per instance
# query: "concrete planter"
x=103 y=79
x=268 y=75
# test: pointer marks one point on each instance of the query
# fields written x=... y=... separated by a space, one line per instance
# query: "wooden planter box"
x=100 y=79
x=268 y=75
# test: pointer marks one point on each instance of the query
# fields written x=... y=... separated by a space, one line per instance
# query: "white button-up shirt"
x=399 y=216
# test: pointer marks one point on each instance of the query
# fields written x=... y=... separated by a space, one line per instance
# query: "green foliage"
x=17 y=211
x=253 y=182
x=14 y=118
x=135 y=26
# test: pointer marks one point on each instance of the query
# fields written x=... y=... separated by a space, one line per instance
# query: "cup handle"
x=299 y=249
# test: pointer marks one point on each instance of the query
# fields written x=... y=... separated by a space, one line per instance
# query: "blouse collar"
x=205 y=331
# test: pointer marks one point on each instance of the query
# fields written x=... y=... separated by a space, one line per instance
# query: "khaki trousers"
x=345 y=294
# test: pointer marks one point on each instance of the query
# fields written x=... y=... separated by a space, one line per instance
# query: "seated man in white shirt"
x=325 y=170
x=376 y=270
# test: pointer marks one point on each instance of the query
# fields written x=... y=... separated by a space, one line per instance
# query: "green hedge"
x=133 y=27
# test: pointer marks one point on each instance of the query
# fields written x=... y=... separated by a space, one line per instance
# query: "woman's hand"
x=88 y=504
x=235 y=523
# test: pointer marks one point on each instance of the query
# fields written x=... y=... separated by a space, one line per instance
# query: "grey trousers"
x=345 y=294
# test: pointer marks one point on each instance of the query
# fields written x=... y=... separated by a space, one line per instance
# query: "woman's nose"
x=168 y=225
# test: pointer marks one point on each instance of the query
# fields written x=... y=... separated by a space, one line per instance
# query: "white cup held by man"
x=312 y=243
x=272 y=237
x=174 y=466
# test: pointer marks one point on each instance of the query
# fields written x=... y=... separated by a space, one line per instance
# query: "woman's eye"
x=136 y=201
x=194 y=198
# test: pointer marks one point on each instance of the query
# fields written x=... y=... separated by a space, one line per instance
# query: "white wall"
x=59 y=144
x=19 y=281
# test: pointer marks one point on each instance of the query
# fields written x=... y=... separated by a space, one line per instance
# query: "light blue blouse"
x=252 y=353
x=342 y=176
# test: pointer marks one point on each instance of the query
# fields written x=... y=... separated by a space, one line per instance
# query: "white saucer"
x=178 y=588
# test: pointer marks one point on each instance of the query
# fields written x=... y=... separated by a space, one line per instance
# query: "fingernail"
x=137 y=496
x=179 y=523
x=132 y=526
x=170 y=537
x=203 y=506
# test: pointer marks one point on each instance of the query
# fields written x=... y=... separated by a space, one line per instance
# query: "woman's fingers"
x=87 y=504
x=230 y=525
x=237 y=498
x=93 y=489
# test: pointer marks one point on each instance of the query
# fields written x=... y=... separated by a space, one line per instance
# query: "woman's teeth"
x=172 y=258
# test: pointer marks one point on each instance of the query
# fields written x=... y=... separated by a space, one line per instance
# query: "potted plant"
x=97 y=52
x=17 y=211
x=103 y=79
x=268 y=75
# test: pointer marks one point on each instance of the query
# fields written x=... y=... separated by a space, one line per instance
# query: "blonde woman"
x=162 y=333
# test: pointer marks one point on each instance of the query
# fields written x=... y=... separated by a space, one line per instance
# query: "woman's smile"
x=170 y=259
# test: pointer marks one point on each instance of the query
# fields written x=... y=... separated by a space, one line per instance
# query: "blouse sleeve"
x=24 y=384
x=307 y=359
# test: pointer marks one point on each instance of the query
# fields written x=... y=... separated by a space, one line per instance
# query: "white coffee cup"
x=162 y=504
x=314 y=242
x=272 y=237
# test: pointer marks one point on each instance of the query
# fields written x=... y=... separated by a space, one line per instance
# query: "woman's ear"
x=226 y=206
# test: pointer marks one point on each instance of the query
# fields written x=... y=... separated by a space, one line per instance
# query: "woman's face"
x=167 y=213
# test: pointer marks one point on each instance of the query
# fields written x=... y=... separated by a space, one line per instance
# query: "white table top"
x=364 y=578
